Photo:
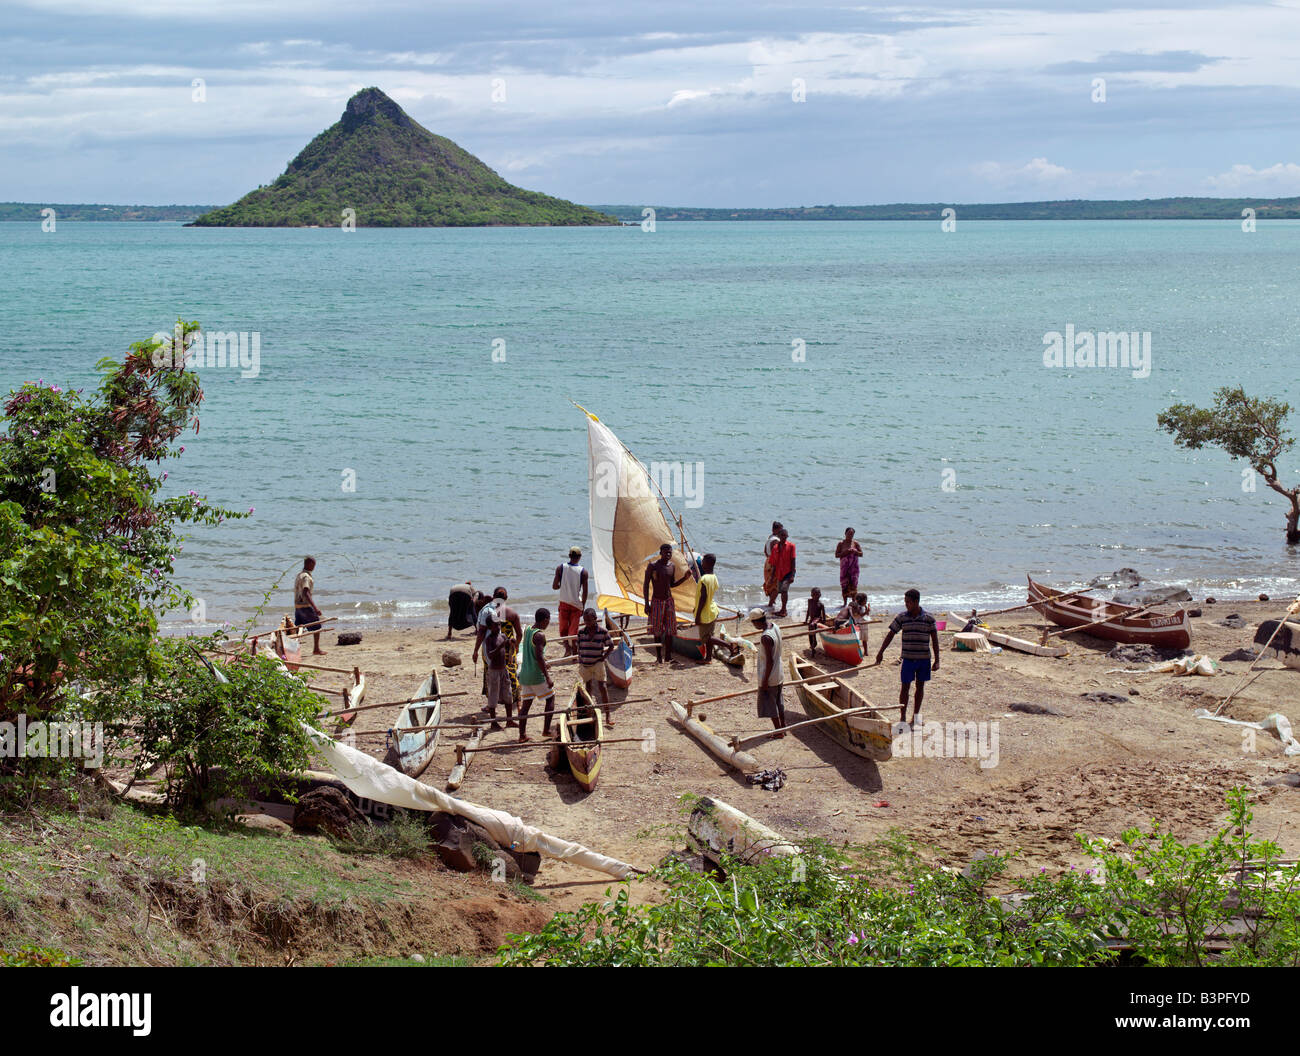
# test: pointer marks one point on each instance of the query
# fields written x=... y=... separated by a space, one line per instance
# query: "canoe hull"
x=870 y=736
x=584 y=758
x=842 y=646
x=687 y=643
x=1285 y=644
x=618 y=665
x=411 y=752
x=1161 y=631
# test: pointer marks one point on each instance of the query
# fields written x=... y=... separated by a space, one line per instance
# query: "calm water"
x=924 y=354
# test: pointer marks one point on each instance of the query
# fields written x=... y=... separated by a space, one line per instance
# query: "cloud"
x=1138 y=62
x=1037 y=170
x=1280 y=180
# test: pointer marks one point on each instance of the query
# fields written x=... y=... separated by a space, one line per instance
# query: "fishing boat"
x=847 y=645
x=627 y=528
x=686 y=642
x=869 y=735
x=410 y=744
x=1160 y=630
x=618 y=665
x=580 y=733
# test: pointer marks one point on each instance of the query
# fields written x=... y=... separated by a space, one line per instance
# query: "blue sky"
x=684 y=103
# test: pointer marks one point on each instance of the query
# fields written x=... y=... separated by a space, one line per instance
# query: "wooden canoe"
x=716 y=745
x=958 y=623
x=868 y=735
x=618 y=665
x=718 y=831
x=463 y=758
x=1171 y=630
x=581 y=731
x=410 y=749
x=843 y=645
x=686 y=642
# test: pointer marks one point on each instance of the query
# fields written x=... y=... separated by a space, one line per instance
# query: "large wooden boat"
x=410 y=744
x=1172 y=630
x=868 y=734
x=581 y=731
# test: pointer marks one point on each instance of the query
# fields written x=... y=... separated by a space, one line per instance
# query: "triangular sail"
x=627 y=526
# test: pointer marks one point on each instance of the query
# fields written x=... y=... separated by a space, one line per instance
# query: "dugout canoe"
x=581 y=729
x=867 y=734
x=410 y=748
x=844 y=645
x=1161 y=630
x=618 y=665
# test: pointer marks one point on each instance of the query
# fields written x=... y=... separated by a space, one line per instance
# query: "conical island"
x=392 y=172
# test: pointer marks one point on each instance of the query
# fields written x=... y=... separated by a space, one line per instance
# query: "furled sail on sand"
x=627 y=525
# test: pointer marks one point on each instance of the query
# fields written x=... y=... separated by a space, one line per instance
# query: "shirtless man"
x=658 y=589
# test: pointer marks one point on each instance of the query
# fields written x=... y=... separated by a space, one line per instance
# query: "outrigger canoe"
x=581 y=731
x=868 y=734
x=844 y=645
x=1066 y=609
x=618 y=665
x=410 y=747
x=687 y=643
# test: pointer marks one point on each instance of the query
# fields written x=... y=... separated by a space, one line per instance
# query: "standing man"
x=771 y=678
x=706 y=606
x=306 y=613
x=535 y=675
x=657 y=588
x=496 y=677
x=571 y=582
x=919 y=636
x=783 y=568
x=769 y=573
x=498 y=607
x=460 y=602
x=594 y=644
x=848 y=550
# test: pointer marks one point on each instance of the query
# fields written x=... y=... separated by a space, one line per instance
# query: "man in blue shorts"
x=919 y=636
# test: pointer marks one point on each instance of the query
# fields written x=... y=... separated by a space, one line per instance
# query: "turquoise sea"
x=922 y=413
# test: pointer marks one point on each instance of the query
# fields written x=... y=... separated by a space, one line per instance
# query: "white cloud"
x=1278 y=180
x=1037 y=170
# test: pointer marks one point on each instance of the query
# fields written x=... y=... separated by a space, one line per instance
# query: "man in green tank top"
x=535 y=675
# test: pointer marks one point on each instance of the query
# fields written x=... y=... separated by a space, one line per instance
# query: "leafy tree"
x=1247 y=427
x=230 y=734
x=87 y=543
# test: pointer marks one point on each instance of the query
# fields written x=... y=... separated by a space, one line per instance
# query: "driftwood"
x=457 y=775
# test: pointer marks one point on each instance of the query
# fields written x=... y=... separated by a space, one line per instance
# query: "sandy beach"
x=1098 y=767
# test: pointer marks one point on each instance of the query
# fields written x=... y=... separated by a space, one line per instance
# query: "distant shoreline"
x=1079 y=209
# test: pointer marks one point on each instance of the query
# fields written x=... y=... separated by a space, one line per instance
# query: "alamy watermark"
x=680 y=480
x=56 y=739
x=948 y=740
x=1124 y=350
x=219 y=349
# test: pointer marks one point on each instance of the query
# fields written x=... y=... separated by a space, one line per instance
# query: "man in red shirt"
x=783 y=567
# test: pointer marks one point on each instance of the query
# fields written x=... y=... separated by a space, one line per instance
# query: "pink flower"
x=853 y=938
x=252 y=509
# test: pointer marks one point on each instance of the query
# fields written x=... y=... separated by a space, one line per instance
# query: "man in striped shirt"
x=919 y=636
x=594 y=644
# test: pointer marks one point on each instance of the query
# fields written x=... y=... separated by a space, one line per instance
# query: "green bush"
x=218 y=739
x=1159 y=897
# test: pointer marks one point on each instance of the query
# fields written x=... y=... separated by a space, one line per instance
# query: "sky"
x=683 y=103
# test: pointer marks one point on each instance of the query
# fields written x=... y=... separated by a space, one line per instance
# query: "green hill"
x=394 y=173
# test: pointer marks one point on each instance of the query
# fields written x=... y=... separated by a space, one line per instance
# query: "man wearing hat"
x=770 y=676
x=571 y=582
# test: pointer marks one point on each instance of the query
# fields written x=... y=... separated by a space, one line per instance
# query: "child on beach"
x=919 y=636
x=815 y=618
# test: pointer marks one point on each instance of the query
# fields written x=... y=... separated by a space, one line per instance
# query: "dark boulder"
x=466 y=847
x=349 y=638
x=1120 y=579
x=1233 y=620
x=450 y=659
x=1246 y=655
x=326 y=809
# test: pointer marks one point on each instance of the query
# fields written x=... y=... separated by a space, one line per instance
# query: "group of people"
x=779 y=566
